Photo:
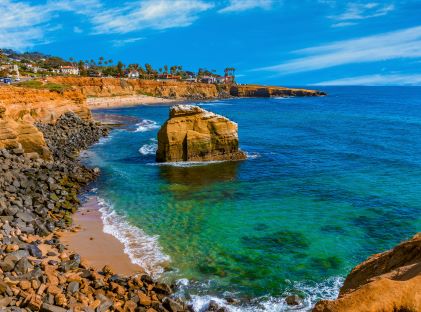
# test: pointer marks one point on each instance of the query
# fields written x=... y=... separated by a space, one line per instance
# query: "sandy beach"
x=125 y=101
x=95 y=246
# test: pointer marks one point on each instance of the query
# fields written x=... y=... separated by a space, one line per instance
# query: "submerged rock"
x=389 y=281
x=194 y=134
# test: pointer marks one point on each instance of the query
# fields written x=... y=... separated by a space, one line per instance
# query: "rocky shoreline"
x=37 y=200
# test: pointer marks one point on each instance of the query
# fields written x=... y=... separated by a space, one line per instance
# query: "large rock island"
x=194 y=134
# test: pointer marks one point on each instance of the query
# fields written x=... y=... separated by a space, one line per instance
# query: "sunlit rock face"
x=194 y=134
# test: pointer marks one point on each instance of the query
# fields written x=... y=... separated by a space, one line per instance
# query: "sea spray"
x=310 y=291
x=142 y=249
x=146 y=125
x=149 y=148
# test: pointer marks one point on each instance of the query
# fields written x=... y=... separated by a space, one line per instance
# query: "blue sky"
x=279 y=42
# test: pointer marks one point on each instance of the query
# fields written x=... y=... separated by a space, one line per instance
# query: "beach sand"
x=126 y=101
x=97 y=247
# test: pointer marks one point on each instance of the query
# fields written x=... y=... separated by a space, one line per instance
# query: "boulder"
x=389 y=281
x=194 y=134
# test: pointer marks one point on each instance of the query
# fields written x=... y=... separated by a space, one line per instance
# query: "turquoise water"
x=329 y=181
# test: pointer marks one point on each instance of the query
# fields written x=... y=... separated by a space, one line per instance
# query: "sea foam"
x=146 y=125
x=313 y=292
x=149 y=148
x=142 y=249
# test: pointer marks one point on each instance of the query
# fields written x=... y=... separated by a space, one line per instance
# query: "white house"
x=133 y=74
x=69 y=70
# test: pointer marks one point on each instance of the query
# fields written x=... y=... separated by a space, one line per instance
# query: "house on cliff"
x=133 y=74
x=69 y=70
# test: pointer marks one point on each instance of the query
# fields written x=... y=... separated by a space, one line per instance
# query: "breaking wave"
x=150 y=148
x=146 y=125
x=312 y=293
x=143 y=250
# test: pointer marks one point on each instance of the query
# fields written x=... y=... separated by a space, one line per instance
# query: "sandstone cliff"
x=194 y=134
x=104 y=87
x=263 y=91
x=389 y=281
x=20 y=108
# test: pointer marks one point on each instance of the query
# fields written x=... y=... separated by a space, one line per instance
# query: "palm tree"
x=166 y=69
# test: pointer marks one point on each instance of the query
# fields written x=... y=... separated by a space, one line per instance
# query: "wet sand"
x=125 y=101
x=97 y=247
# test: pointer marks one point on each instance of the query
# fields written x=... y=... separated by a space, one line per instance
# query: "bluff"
x=106 y=87
x=389 y=281
x=267 y=91
x=194 y=134
x=21 y=108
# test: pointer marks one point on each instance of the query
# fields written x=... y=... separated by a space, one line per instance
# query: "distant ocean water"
x=328 y=182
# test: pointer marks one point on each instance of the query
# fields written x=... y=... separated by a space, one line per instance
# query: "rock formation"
x=20 y=108
x=389 y=281
x=194 y=134
x=264 y=91
x=106 y=87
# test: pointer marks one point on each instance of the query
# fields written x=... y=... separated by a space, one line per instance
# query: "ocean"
x=328 y=182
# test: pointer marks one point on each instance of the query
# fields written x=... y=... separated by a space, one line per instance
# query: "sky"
x=276 y=42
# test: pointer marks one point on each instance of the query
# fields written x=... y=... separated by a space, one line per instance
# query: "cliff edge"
x=21 y=108
x=389 y=281
x=194 y=134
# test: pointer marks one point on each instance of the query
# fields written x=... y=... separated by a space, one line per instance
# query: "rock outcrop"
x=194 y=134
x=267 y=91
x=106 y=87
x=389 y=281
x=20 y=108
x=112 y=87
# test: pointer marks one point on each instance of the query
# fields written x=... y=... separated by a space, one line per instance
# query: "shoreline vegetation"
x=42 y=130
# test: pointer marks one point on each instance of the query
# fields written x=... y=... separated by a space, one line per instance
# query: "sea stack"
x=194 y=134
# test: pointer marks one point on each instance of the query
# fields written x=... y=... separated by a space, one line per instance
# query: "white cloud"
x=155 y=14
x=23 y=25
x=20 y=24
x=404 y=43
x=77 y=30
x=123 y=42
x=243 y=5
x=375 y=80
x=359 y=11
x=343 y=24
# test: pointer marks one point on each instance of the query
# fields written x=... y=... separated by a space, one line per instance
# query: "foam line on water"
x=142 y=249
x=146 y=125
x=149 y=148
x=313 y=292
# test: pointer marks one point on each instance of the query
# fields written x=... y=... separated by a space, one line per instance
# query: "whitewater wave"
x=282 y=97
x=252 y=155
x=142 y=249
x=150 y=148
x=313 y=292
x=185 y=164
x=146 y=125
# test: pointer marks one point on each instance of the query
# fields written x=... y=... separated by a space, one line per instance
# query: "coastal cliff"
x=389 y=281
x=268 y=91
x=194 y=134
x=20 y=108
x=110 y=87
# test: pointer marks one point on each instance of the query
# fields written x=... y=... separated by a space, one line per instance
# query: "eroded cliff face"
x=194 y=134
x=20 y=108
x=389 y=281
x=104 y=87
x=263 y=91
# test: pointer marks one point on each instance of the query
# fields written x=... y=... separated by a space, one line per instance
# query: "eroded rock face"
x=194 y=134
x=20 y=108
x=389 y=281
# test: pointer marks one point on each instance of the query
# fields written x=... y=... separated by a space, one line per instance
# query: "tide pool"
x=328 y=182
